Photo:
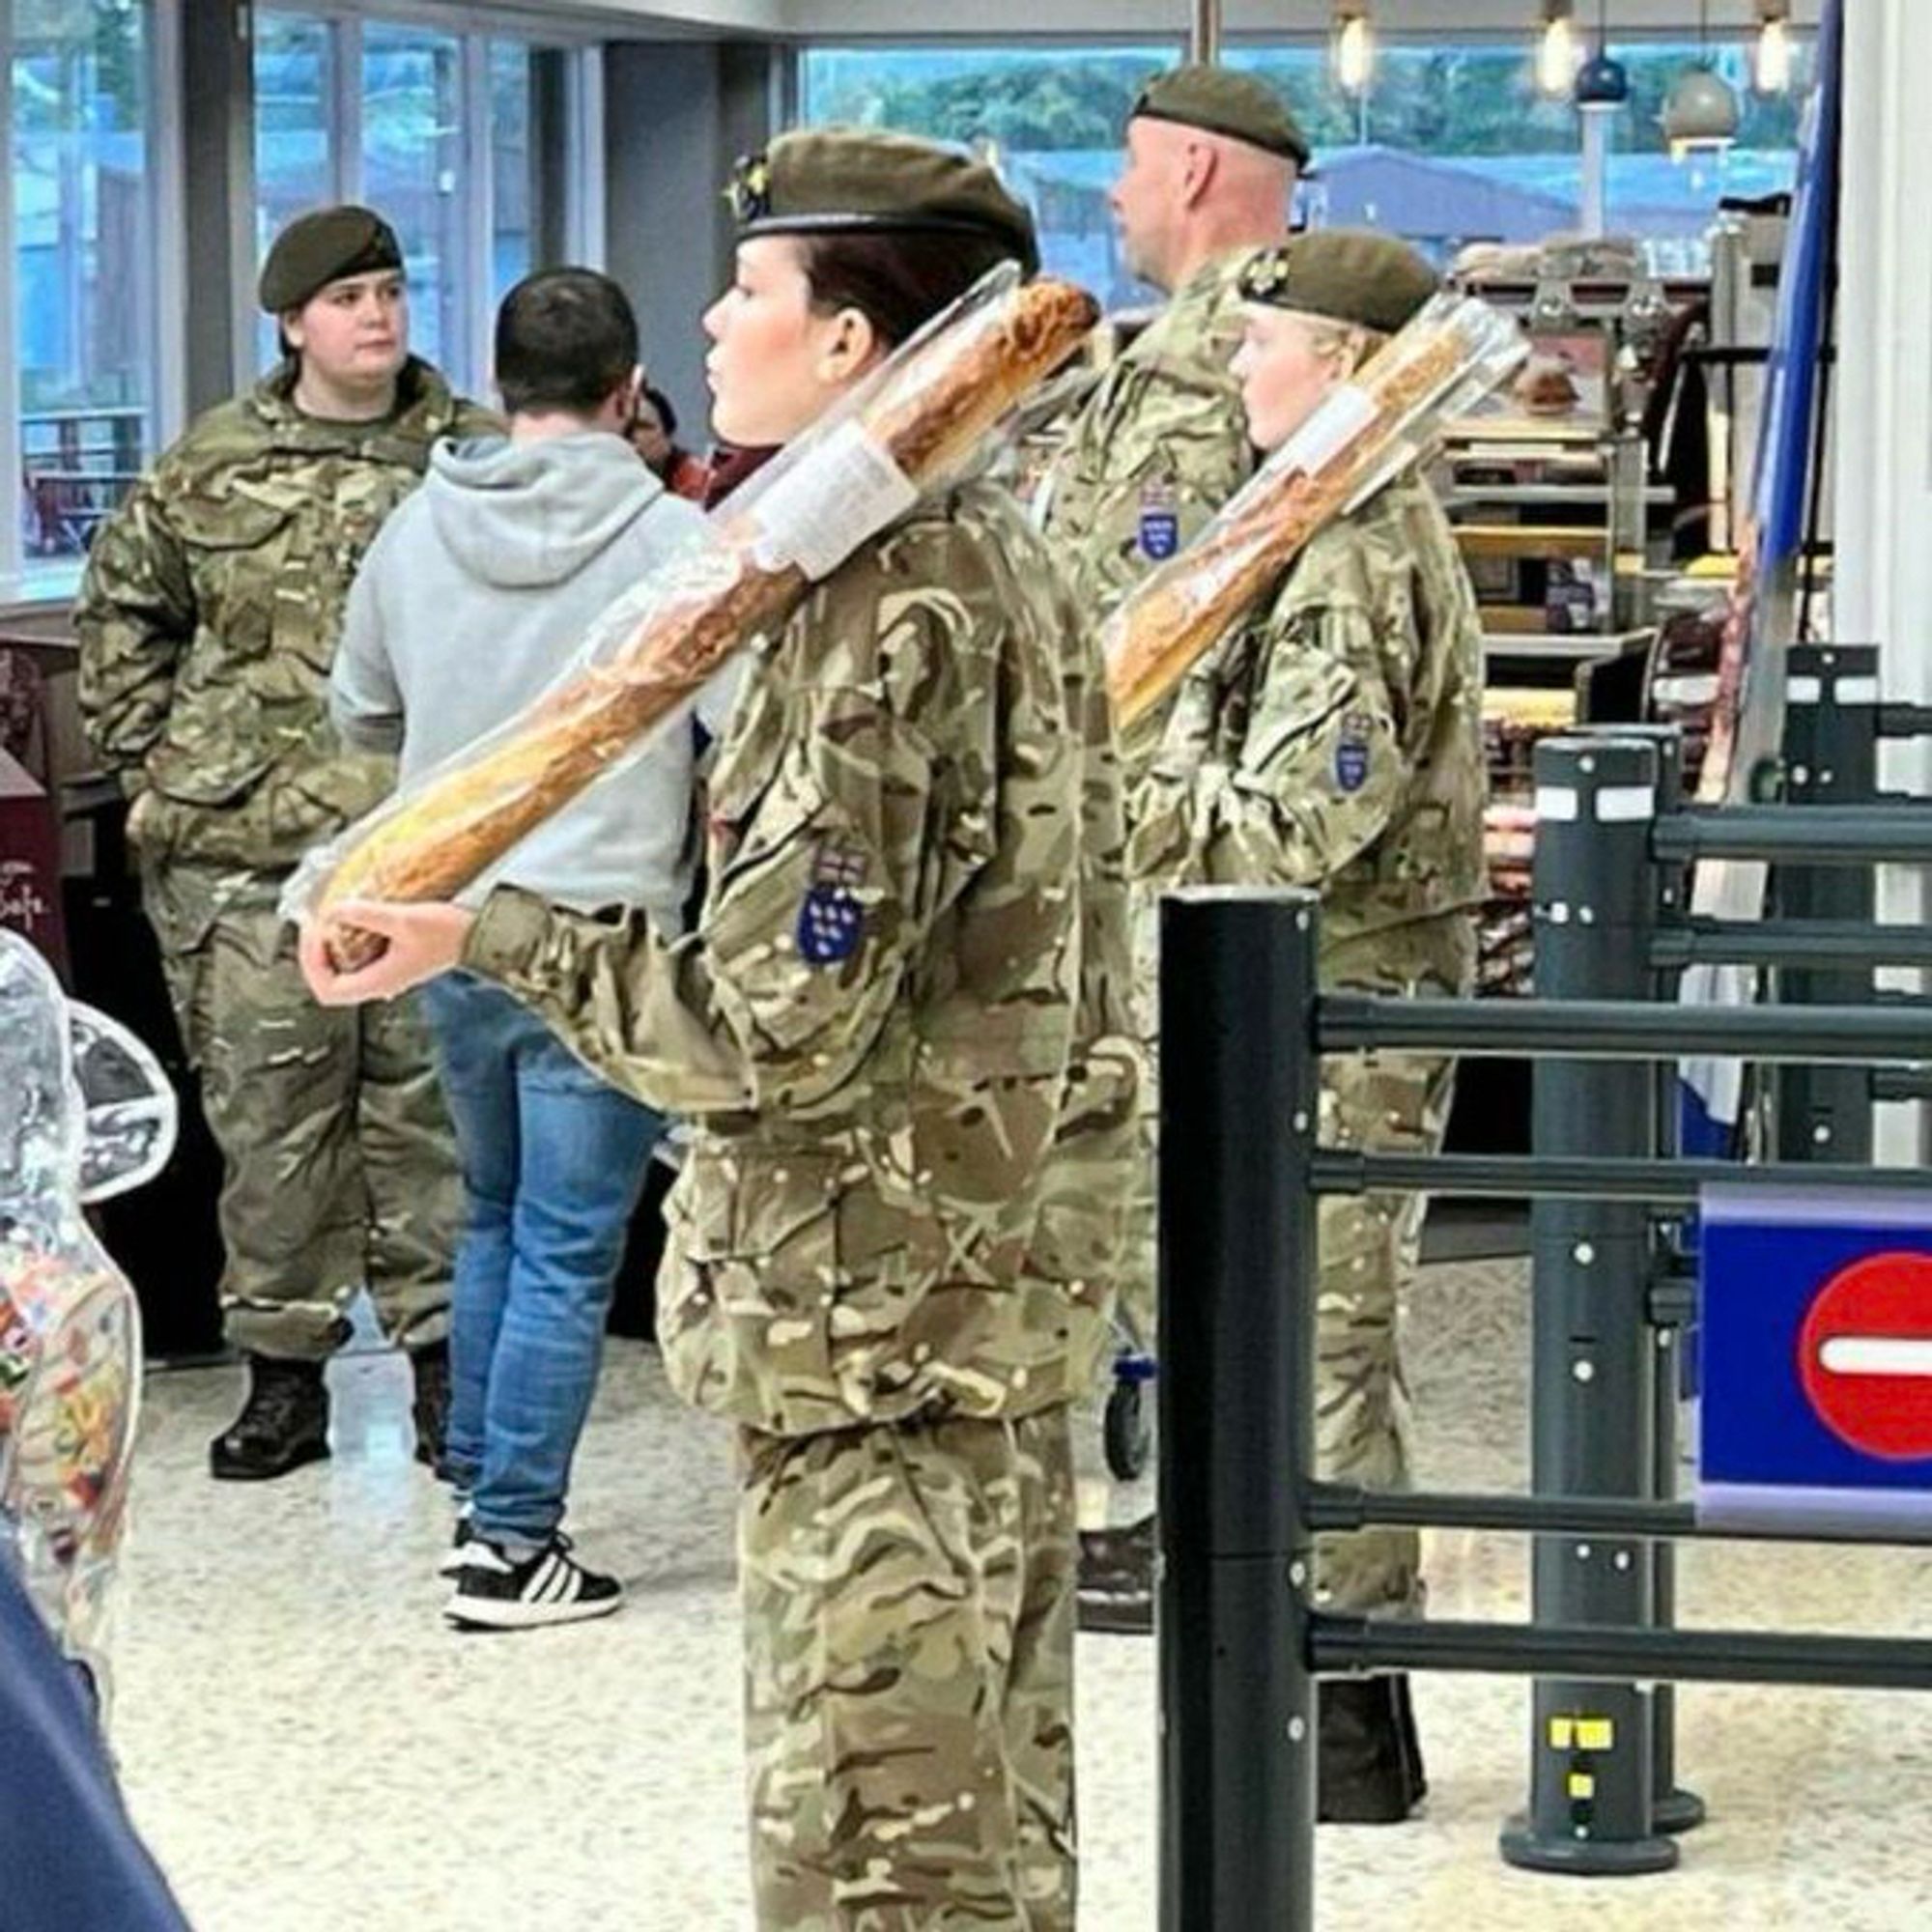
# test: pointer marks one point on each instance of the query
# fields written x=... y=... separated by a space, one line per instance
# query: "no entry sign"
x=1864 y=1355
x=1815 y=1314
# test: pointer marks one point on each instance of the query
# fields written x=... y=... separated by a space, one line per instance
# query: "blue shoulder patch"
x=1352 y=764
x=831 y=921
x=1159 y=531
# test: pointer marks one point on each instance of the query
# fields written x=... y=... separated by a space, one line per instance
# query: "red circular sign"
x=1865 y=1355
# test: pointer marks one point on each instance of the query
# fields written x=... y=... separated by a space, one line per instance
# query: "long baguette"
x=936 y=401
x=1176 y=614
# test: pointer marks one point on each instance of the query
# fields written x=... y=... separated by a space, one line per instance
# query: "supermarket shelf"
x=1583 y=495
x=1535 y=542
x=1560 y=648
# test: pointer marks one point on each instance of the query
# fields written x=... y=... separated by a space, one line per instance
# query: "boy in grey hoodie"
x=470 y=603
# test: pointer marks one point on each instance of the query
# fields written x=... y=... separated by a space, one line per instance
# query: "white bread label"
x=820 y=513
x=1345 y=414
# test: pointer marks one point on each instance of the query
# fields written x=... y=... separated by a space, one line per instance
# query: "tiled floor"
x=310 y=1751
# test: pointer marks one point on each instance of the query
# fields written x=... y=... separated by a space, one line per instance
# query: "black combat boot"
x=1117 y=1579
x=283 y=1424
x=428 y=1365
x=1371 y=1762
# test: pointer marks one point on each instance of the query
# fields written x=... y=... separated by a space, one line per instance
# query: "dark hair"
x=660 y=402
x=565 y=339
x=899 y=282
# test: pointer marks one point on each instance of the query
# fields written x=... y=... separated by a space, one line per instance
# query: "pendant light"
x=1603 y=83
x=1771 y=57
x=1352 y=50
x=1559 y=54
x=1701 y=112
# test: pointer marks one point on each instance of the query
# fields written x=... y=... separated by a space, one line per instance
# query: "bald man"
x=1212 y=162
x=1161 y=443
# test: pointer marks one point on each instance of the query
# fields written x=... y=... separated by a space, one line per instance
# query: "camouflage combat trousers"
x=339 y=1166
x=908 y=1603
x=1390 y=1104
x=1398 y=1103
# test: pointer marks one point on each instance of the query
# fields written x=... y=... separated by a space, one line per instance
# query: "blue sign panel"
x=1815 y=1318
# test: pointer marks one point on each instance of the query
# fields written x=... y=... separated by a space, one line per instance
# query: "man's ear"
x=1199 y=164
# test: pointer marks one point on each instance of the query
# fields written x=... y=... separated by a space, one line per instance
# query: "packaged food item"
x=1454 y=351
x=70 y=1326
x=923 y=416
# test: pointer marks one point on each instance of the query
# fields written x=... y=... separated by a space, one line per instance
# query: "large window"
x=437 y=128
x=1669 y=203
x=1054 y=115
x=1418 y=152
x=1451 y=143
x=514 y=187
x=83 y=306
x=413 y=171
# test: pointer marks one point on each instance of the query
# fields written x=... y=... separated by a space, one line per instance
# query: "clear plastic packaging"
x=70 y=1326
x=1365 y=433
x=920 y=418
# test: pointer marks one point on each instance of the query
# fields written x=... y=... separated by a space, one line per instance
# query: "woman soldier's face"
x=356 y=331
x=1287 y=365
x=776 y=363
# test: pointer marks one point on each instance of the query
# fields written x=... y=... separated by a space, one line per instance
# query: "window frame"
x=1248 y=40
x=162 y=298
x=578 y=41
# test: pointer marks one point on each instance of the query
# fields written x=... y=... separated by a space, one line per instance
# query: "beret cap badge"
x=1266 y=273
x=751 y=190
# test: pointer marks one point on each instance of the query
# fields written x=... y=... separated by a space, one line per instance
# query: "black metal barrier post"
x=1830 y=758
x=1593 y=1374
x=1240 y=1503
x=1673 y=1808
x=1238 y=1088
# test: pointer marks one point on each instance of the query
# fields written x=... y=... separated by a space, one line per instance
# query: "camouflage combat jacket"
x=1334 y=740
x=210 y=612
x=900 y=1025
x=1159 y=446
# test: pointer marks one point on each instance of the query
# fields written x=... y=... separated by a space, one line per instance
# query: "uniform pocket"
x=239 y=558
x=750 y=1283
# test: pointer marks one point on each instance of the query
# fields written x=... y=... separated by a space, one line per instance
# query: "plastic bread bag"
x=70 y=1326
x=1363 y=433
x=922 y=418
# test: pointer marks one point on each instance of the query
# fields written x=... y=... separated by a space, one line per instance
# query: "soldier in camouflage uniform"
x=1212 y=162
x=1212 y=159
x=900 y=1030
x=1334 y=740
x=207 y=623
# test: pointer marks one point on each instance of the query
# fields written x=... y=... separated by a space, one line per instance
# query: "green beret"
x=843 y=181
x=1221 y=101
x=1348 y=274
x=316 y=249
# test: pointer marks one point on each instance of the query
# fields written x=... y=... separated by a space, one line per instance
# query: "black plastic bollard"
x=1592 y=1769
x=1239 y=1087
x=1830 y=758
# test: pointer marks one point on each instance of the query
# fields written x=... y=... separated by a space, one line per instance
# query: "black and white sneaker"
x=455 y=1556
x=495 y=1592
x=453 y=1559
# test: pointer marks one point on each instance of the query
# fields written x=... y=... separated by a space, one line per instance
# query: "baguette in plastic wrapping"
x=1438 y=367
x=921 y=418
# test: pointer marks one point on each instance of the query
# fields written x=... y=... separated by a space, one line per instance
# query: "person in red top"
x=653 y=434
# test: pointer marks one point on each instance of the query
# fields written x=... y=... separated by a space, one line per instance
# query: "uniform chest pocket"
x=239 y=552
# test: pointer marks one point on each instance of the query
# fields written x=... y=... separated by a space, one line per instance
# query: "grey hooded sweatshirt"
x=474 y=597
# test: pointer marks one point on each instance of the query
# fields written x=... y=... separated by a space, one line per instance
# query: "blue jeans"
x=553 y=1161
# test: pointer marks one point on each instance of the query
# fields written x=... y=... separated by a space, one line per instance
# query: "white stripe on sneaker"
x=552 y=1584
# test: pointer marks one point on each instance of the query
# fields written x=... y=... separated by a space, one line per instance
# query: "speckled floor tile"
x=309 y=1749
